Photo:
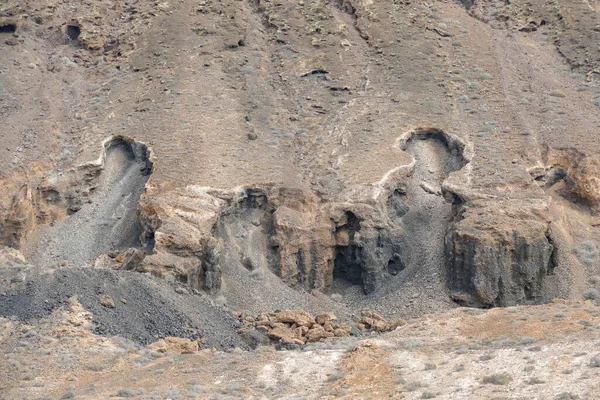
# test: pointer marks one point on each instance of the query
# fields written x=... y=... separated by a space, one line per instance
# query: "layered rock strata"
x=491 y=251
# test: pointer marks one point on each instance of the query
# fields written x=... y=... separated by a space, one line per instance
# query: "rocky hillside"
x=167 y=163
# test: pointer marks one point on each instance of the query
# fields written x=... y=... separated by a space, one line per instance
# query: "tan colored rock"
x=500 y=253
x=296 y=326
x=274 y=325
x=181 y=222
x=10 y=255
x=175 y=345
x=303 y=232
x=262 y=323
x=303 y=329
x=317 y=333
x=284 y=335
x=377 y=317
x=586 y=177
x=340 y=332
x=19 y=218
x=301 y=318
x=374 y=322
x=132 y=259
x=322 y=319
x=263 y=317
x=380 y=326
x=95 y=45
x=76 y=315
x=107 y=301
x=105 y=261
x=342 y=238
x=299 y=332
x=345 y=327
x=272 y=318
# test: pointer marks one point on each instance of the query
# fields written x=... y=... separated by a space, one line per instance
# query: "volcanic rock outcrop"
x=84 y=212
x=276 y=125
x=498 y=254
x=309 y=243
x=402 y=223
x=396 y=226
x=579 y=171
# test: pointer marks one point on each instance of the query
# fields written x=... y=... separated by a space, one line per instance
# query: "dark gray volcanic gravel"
x=108 y=223
x=153 y=308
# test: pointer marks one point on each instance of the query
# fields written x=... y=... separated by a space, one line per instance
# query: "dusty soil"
x=542 y=352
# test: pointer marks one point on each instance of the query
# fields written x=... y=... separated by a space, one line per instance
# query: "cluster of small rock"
x=299 y=327
x=295 y=327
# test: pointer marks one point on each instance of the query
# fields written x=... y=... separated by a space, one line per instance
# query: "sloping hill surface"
x=405 y=157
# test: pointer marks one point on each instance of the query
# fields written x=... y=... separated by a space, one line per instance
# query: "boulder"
x=11 y=257
x=284 y=335
x=340 y=333
x=293 y=327
x=322 y=319
x=374 y=322
x=107 y=301
x=300 y=318
x=344 y=327
x=175 y=345
x=328 y=327
x=132 y=259
x=317 y=333
x=380 y=326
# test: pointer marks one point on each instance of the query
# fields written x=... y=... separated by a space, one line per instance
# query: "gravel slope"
x=146 y=308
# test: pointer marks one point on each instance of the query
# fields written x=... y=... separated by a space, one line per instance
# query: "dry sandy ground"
x=543 y=352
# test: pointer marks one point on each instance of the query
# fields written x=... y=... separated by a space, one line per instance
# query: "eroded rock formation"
x=579 y=174
x=107 y=190
x=491 y=252
x=309 y=242
x=180 y=224
x=498 y=253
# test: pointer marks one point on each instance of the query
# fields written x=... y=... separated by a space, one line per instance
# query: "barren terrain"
x=177 y=176
x=543 y=352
